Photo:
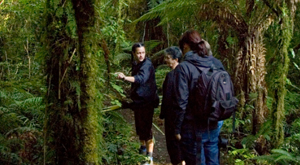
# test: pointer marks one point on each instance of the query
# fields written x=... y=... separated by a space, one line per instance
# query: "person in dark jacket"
x=210 y=138
x=144 y=95
x=187 y=128
x=172 y=57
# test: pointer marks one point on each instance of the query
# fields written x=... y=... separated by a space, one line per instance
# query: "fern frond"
x=3 y=95
x=227 y=13
x=169 y=9
x=121 y=57
x=151 y=44
x=279 y=156
x=30 y=102
x=20 y=130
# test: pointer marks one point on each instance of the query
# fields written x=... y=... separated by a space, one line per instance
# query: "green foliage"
x=170 y=9
x=120 y=147
x=112 y=20
x=153 y=3
x=241 y=156
x=21 y=120
x=21 y=103
x=277 y=86
x=282 y=157
x=289 y=152
x=160 y=76
x=19 y=38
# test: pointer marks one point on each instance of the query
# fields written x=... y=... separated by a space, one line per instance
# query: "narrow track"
x=160 y=154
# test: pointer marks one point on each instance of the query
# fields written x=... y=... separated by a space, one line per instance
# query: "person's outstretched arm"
x=126 y=78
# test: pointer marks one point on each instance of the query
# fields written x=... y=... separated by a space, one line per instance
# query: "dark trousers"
x=188 y=144
x=173 y=145
x=143 y=117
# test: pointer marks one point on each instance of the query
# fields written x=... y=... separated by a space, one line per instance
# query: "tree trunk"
x=250 y=79
x=278 y=88
x=106 y=51
x=71 y=124
x=85 y=20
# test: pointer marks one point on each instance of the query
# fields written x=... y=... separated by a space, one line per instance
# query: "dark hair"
x=174 y=52
x=133 y=49
x=194 y=40
x=136 y=45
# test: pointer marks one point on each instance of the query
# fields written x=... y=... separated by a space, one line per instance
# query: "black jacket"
x=143 y=90
x=167 y=103
x=186 y=76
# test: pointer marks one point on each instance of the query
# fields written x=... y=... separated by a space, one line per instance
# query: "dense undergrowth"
x=21 y=131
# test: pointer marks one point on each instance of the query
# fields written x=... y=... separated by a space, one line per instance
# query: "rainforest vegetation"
x=58 y=89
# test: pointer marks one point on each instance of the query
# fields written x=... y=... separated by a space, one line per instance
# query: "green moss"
x=278 y=86
x=73 y=122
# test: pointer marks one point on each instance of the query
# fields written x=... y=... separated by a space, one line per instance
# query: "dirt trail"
x=160 y=154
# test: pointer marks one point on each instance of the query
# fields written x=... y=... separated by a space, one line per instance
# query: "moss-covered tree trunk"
x=278 y=84
x=71 y=124
x=85 y=20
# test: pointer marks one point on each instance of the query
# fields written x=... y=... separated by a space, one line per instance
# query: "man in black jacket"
x=186 y=76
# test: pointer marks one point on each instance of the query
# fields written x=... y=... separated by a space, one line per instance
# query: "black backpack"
x=214 y=95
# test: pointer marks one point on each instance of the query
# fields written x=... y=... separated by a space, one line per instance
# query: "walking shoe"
x=142 y=151
x=148 y=161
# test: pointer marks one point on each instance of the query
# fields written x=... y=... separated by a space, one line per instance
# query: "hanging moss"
x=278 y=82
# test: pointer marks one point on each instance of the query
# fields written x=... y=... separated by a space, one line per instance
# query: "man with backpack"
x=190 y=121
x=210 y=154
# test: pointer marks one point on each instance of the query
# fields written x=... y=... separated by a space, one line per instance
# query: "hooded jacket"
x=143 y=90
x=186 y=76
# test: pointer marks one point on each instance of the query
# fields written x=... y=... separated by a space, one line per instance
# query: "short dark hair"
x=174 y=52
x=194 y=40
x=136 y=45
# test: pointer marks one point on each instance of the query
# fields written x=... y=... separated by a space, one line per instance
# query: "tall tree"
x=71 y=127
x=285 y=10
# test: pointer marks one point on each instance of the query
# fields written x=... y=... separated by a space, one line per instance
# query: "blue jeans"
x=209 y=147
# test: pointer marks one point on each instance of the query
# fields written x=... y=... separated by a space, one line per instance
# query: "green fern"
x=280 y=156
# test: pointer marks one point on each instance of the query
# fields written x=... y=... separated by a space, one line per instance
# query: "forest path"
x=160 y=153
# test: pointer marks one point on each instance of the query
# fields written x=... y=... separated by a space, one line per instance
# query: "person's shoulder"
x=215 y=59
x=218 y=63
x=184 y=63
x=171 y=73
x=148 y=62
x=184 y=67
x=168 y=76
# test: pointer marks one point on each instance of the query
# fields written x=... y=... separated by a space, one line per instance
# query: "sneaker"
x=148 y=161
x=142 y=151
